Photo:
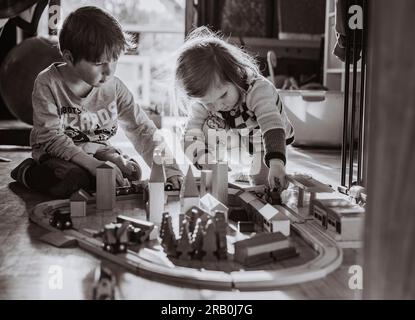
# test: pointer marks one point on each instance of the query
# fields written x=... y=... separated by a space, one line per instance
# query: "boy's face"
x=95 y=73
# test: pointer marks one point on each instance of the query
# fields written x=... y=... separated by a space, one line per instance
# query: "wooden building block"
x=138 y=223
x=268 y=212
x=247 y=197
x=274 y=220
x=78 y=203
x=257 y=204
x=78 y=208
x=154 y=234
x=309 y=184
x=220 y=182
x=105 y=197
x=211 y=204
x=205 y=182
x=189 y=193
x=343 y=220
x=259 y=244
x=233 y=197
x=156 y=193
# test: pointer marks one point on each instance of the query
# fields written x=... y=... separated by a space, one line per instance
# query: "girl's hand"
x=276 y=175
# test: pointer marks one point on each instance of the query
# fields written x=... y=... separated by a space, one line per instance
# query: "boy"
x=77 y=106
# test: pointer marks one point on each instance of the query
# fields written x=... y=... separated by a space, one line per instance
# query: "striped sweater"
x=260 y=108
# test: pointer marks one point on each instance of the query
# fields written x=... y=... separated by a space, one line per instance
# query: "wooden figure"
x=209 y=245
x=78 y=202
x=105 y=196
x=156 y=193
x=211 y=204
x=189 y=193
x=205 y=182
x=184 y=247
x=220 y=182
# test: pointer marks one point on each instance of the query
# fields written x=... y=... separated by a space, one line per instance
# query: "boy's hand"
x=90 y=163
x=276 y=175
x=129 y=167
x=176 y=181
x=119 y=179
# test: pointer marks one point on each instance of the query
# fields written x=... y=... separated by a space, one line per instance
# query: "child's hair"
x=206 y=57
x=91 y=33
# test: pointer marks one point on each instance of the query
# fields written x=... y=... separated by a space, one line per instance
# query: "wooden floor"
x=28 y=266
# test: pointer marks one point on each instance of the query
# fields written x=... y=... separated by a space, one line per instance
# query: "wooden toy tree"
x=184 y=246
x=210 y=242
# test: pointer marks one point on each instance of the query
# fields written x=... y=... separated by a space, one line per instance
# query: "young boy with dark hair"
x=77 y=106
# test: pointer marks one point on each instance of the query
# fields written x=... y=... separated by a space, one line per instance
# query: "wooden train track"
x=329 y=257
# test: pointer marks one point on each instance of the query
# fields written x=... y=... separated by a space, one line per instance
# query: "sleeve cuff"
x=274 y=144
x=274 y=155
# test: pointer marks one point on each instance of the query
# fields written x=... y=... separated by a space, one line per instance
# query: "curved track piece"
x=329 y=257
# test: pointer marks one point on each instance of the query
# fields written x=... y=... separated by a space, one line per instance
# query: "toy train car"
x=141 y=229
x=61 y=219
x=115 y=238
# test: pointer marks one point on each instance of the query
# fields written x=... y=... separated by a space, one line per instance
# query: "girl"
x=228 y=92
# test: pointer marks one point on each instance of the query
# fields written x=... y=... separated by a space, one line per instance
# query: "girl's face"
x=223 y=97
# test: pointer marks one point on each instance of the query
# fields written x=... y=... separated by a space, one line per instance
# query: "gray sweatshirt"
x=65 y=125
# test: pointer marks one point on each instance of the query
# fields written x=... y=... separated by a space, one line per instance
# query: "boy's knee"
x=74 y=179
